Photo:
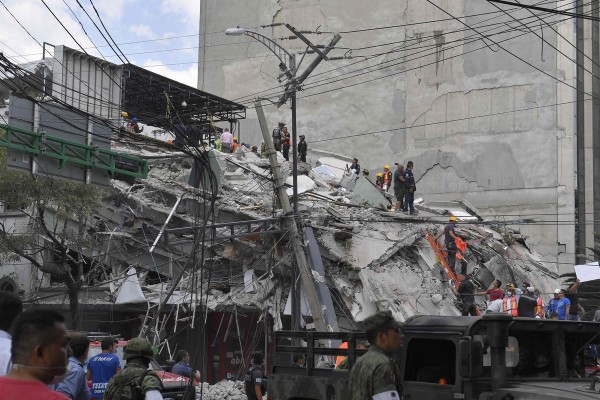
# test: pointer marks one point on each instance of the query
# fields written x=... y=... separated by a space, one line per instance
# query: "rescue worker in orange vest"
x=509 y=302
x=387 y=178
x=539 y=307
x=235 y=144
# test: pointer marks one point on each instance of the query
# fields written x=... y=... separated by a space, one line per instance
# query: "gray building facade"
x=482 y=99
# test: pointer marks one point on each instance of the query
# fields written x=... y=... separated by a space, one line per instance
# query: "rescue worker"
x=410 y=188
x=137 y=354
x=277 y=136
x=509 y=302
x=285 y=143
x=539 y=304
x=354 y=168
x=379 y=181
x=527 y=303
x=236 y=145
x=263 y=150
x=226 y=141
x=450 y=242
x=302 y=148
x=133 y=126
x=217 y=143
x=375 y=375
x=387 y=178
x=360 y=345
x=255 y=382
x=399 y=187
x=466 y=291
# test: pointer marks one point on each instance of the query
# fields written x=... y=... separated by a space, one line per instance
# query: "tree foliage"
x=57 y=211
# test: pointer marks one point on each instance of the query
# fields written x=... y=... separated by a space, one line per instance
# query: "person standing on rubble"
x=450 y=242
x=277 y=136
x=133 y=126
x=226 y=141
x=354 y=168
x=387 y=178
x=399 y=187
x=285 y=143
x=302 y=148
x=379 y=181
x=410 y=188
x=376 y=375
x=466 y=291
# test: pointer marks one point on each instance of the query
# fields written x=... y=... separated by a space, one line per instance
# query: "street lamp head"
x=235 y=31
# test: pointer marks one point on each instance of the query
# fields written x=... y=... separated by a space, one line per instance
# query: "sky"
x=160 y=35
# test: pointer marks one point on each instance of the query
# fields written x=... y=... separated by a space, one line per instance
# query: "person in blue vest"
x=102 y=367
x=182 y=358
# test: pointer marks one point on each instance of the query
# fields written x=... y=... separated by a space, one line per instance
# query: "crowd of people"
x=228 y=143
x=40 y=359
x=527 y=301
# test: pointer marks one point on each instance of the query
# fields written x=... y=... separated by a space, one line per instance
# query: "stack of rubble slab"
x=373 y=260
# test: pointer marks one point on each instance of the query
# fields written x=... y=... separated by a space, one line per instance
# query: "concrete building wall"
x=484 y=111
x=25 y=277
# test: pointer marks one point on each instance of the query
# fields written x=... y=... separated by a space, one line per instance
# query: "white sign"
x=588 y=272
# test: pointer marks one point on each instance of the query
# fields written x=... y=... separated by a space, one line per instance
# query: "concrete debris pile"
x=374 y=259
x=230 y=390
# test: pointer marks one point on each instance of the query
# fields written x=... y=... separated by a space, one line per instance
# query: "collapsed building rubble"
x=373 y=259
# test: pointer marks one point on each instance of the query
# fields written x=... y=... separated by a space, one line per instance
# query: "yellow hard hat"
x=235 y=138
x=379 y=174
x=453 y=219
x=386 y=167
x=124 y=114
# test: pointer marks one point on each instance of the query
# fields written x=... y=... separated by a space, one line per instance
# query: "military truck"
x=491 y=357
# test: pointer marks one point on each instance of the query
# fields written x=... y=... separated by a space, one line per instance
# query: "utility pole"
x=301 y=261
x=294 y=81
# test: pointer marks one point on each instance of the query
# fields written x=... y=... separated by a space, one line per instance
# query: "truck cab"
x=491 y=357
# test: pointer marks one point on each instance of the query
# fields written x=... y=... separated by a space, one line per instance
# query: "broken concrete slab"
x=366 y=194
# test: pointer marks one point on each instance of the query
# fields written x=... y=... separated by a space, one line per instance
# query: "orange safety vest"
x=539 y=308
x=513 y=306
x=387 y=178
x=339 y=359
x=461 y=245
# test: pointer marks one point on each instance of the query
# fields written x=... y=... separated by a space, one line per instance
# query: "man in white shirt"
x=10 y=306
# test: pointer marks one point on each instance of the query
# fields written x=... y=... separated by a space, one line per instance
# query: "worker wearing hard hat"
x=379 y=181
x=235 y=144
x=387 y=178
x=450 y=241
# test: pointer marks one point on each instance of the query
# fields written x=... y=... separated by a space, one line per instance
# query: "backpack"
x=136 y=388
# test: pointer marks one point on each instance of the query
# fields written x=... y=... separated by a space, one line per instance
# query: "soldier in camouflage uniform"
x=122 y=386
x=375 y=375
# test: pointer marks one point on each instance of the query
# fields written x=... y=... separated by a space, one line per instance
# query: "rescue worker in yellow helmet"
x=235 y=144
x=387 y=178
x=379 y=181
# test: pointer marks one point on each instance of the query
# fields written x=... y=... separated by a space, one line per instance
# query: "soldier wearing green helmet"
x=375 y=375
x=135 y=381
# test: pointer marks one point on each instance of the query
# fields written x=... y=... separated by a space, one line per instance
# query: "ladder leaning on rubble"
x=441 y=258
